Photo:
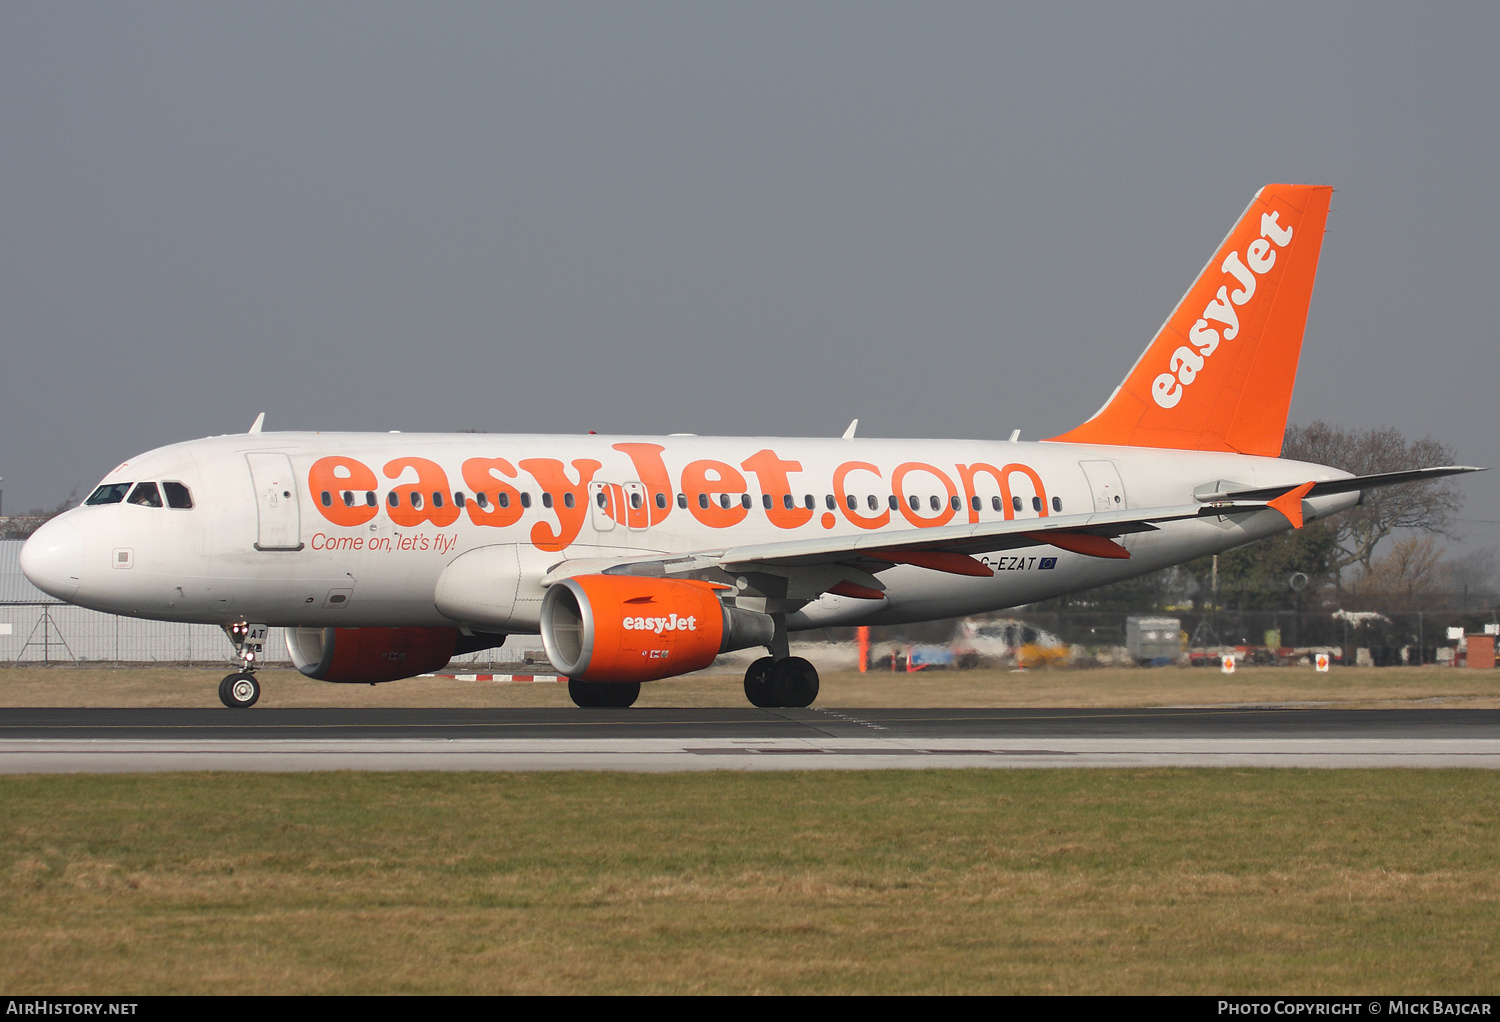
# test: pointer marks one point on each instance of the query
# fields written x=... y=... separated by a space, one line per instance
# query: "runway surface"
x=130 y=740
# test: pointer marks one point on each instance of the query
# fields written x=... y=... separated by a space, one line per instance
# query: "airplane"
x=637 y=558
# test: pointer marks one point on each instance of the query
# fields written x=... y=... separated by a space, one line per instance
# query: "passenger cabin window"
x=393 y=499
x=957 y=503
x=874 y=502
x=995 y=503
x=830 y=501
x=348 y=496
x=325 y=498
x=525 y=499
x=437 y=499
x=914 y=501
x=416 y=499
x=601 y=499
x=852 y=501
x=481 y=499
x=975 y=503
x=896 y=504
x=682 y=500
x=745 y=500
x=370 y=500
x=568 y=499
x=546 y=499
x=809 y=501
x=109 y=493
x=1036 y=503
x=1015 y=502
x=636 y=500
x=661 y=500
x=1057 y=503
x=177 y=496
x=724 y=501
x=458 y=497
x=503 y=499
x=146 y=495
x=703 y=500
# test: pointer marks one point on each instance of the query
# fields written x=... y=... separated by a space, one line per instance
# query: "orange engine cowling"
x=368 y=655
x=626 y=628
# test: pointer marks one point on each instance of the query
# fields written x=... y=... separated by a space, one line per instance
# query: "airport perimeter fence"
x=1423 y=633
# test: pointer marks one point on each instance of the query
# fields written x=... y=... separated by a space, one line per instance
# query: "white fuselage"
x=299 y=529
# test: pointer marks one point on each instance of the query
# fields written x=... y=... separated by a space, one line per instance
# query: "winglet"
x=1290 y=503
x=260 y=420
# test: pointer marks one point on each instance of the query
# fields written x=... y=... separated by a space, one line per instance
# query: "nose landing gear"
x=240 y=690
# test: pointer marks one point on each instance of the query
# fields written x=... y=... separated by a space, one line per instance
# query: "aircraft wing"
x=848 y=564
x=944 y=548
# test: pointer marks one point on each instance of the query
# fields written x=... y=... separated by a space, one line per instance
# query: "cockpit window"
x=146 y=495
x=109 y=493
x=177 y=495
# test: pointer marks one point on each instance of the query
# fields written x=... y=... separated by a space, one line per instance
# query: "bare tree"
x=1412 y=576
x=22 y=526
x=1475 y=578
x=1427 y=506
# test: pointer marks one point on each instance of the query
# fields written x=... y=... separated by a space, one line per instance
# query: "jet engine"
x=369 y=655
x=622 y=628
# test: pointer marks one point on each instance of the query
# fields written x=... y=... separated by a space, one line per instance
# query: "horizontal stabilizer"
x=1290 y=503
x=1328 y=487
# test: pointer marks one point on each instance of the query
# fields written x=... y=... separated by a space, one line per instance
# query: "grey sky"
x=947 y=220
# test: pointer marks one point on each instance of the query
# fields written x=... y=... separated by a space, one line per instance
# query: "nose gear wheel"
x=239 y=691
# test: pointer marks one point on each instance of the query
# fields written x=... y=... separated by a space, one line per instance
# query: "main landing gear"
x=781 y=680
x=240 y=690
x=604 y=694
x=788 y=682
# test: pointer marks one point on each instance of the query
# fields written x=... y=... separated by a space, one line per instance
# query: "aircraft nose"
x=53 y=559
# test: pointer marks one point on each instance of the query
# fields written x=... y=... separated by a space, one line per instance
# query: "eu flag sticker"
x=1048 y=562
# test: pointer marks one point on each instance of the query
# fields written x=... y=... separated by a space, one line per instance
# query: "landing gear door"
x=279 y=525
x=1105 y=485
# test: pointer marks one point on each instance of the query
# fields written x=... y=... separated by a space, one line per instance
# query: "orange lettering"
x=872 y=522
x=433 y=500
x=1001 y=476
x=899 y=476
x=554 y=479
x=771 y=472
x=482 y=476
x=1036 y=481
x=726 y=479
x=651 y=471
x=335 y=476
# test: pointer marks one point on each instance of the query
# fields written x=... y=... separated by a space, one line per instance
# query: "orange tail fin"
x=1219 y=374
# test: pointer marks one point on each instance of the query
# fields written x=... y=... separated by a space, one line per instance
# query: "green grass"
x=926 y=881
